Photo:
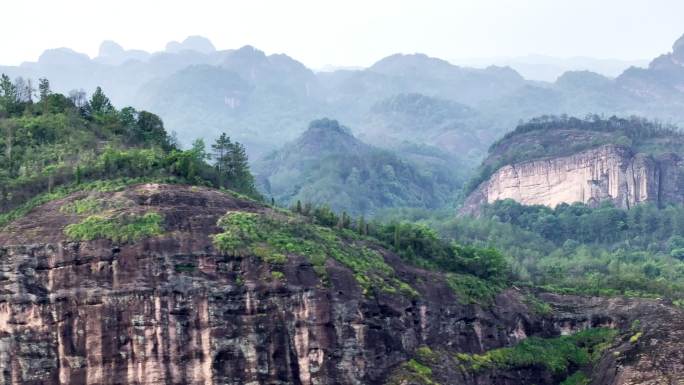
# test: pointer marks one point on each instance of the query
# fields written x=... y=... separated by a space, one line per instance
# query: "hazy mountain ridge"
x=548 y=68
x=328 y=165
x=265 y=101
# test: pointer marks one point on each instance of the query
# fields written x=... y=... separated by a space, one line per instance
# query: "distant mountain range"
x=548 y=68
x=400 y=102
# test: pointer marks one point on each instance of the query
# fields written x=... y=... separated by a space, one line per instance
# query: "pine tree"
x=221 y=149
x=232 y=165
x=99 y=104
x=8 y=95
x=238 y=169
x=44 y=93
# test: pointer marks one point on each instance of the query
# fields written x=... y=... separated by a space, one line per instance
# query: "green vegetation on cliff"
x=475 y=274
x=563 y=358
x=275 y=235
x=557 y=355
x=120 y=229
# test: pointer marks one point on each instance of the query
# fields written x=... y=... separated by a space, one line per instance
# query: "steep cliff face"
x=171 y=309
x=605 y=173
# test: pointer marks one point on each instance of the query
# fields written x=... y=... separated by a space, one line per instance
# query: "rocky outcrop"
x=605 y=173
x=649 y=351
x=171 y=309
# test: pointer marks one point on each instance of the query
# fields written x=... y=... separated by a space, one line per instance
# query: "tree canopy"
x=60 y=140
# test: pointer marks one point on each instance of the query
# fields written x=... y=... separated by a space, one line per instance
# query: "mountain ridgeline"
x=328 y=165
x=131 y=256
x=247 y=93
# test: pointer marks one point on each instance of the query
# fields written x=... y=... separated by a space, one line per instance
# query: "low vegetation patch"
x=274 y=235
x=87 y=205
x=577 y=378
x=120 y=229
x=473 y=290
x=424 y=372
x=555 y=354
x=412 y=371
x=64 y=191
x=277 y=275
x=537 y=306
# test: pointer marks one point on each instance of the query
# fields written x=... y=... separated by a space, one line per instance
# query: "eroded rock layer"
x=606 y=173
x=173 y=310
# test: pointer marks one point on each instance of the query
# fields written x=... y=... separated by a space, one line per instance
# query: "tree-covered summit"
x=48 y=140
x=327 y=164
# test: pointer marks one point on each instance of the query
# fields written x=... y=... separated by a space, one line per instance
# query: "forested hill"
x=50 y=143
x=327 y=164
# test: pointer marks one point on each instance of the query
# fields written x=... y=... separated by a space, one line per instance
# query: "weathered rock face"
x=99 y=313
x=173 y=310
x=606 y=173
x=650 y=351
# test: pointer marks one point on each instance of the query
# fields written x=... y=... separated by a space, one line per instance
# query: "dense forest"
x=49 y=141
x=575 y=248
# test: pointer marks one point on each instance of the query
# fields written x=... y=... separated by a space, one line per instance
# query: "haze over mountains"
x=327 y=165
x=424 y=109
x=549 y=68
x=248 y=93
x=417 y=221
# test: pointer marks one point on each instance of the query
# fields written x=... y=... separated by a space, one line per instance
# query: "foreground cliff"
x=128 y=287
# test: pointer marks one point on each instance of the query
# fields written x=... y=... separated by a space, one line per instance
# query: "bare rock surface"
x=607 y=173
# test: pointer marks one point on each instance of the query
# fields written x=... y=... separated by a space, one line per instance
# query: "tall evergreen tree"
x=8 y=95
x=44 y=93
x=232 y=165
x=221 y=149
x=238 y=168
x=99 y=104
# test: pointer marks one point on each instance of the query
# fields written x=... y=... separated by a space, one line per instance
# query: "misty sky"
x=350 y=32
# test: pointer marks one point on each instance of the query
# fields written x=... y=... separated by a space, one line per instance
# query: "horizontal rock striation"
x=605 y=173
x=173 y=310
